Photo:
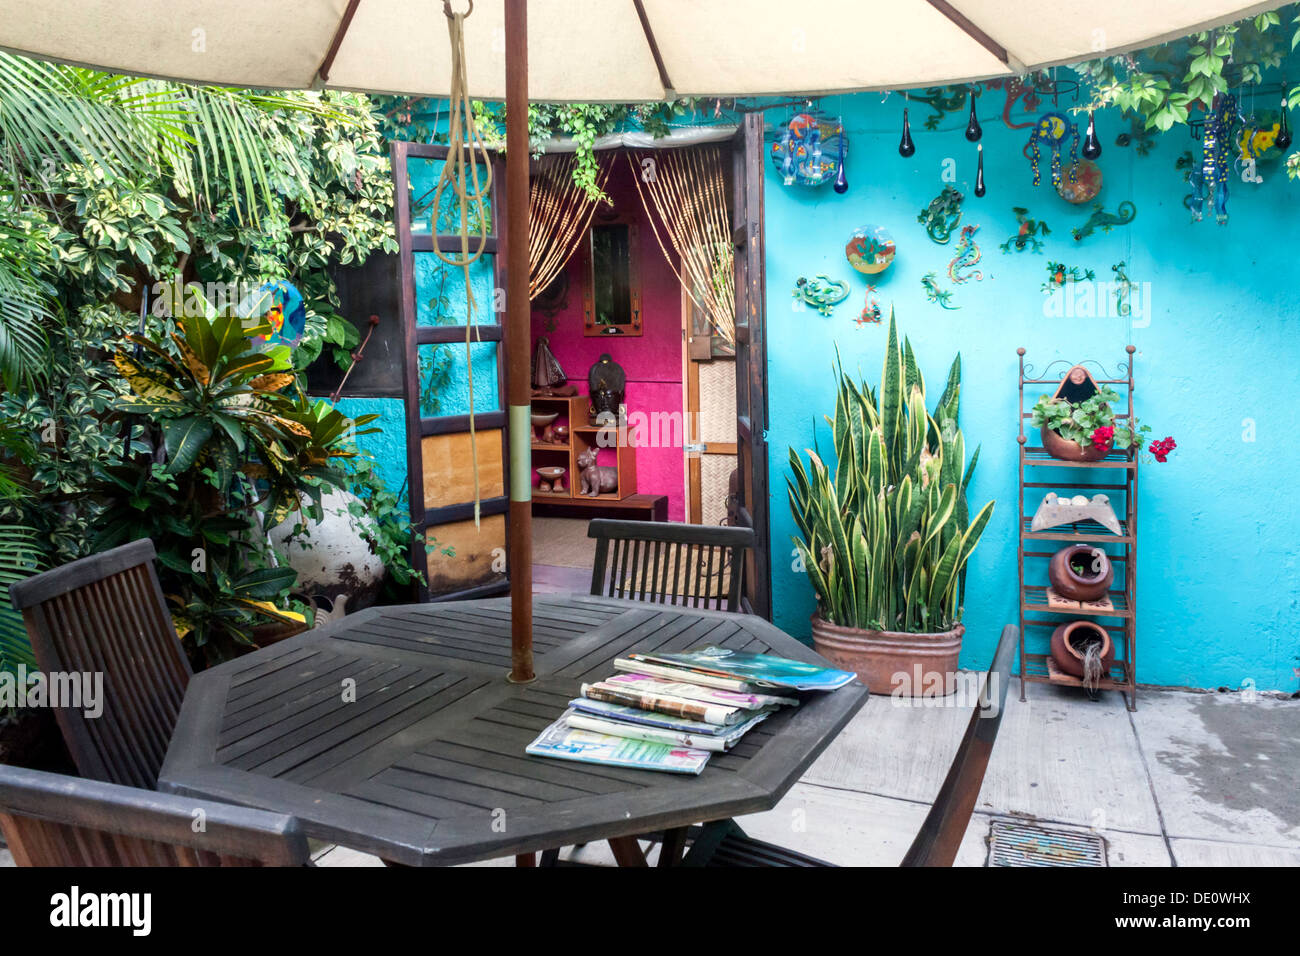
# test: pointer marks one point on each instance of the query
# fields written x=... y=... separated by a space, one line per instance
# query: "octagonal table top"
x=394 y=730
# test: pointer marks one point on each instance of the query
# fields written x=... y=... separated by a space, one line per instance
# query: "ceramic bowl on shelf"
x=552 y=479
x=542 y=419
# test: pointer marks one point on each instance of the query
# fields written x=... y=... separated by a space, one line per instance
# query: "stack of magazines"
x=670 y=712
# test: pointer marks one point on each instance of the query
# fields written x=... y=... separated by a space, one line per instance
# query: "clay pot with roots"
x=1070 y=650
x=1081 y=572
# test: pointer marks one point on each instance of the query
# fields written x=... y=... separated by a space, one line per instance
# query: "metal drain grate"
x=1022 y=844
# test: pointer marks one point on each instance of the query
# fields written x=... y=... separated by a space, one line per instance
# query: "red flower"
x=1161 y=449
x=1103 y=437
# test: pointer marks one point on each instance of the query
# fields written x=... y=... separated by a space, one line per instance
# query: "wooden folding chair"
x=105 y=614
x=687 y=565
x=52 y=820
x=936 y=844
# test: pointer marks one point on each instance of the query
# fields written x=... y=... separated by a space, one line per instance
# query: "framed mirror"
x=611 y=292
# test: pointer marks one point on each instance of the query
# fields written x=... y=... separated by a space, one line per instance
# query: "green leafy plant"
x=241 y=455
x=1165 y=84
x=1081 y=421
x=885 y=532
x=417 y=119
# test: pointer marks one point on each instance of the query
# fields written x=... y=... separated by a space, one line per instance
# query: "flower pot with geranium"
x=1086 y=430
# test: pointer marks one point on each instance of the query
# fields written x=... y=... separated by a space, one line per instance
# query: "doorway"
x=676 y=465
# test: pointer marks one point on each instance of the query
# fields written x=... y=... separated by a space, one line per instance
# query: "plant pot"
x=331 y=557
x=1072 y=575
x=1066 y=640
x=891 y=662
x=1067 y=450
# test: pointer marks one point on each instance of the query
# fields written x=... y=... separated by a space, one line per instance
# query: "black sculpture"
x=606 y=383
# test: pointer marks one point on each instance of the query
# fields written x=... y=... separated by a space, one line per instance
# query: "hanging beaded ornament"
x=1052 y=131
x=1216 y=160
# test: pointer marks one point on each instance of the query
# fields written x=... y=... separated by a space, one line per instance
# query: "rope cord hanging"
x=688 y=191
x=460 y=172
x=559 y=213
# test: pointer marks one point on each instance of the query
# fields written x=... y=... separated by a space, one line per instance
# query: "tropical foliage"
x=1168 y=85
x=418 y=119
x=129 y=411
x=885 y=530
x=243 y=448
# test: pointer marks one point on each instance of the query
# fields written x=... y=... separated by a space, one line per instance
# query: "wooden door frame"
x=692 y=462
x=751 y=350
x=414 y=336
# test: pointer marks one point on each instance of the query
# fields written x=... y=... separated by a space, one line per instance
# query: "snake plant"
x=885 y=531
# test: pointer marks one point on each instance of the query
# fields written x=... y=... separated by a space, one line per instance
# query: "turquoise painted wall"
x=388 y=446
x=1216 y=365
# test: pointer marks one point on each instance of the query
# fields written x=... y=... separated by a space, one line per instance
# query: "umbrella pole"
x=518 y=373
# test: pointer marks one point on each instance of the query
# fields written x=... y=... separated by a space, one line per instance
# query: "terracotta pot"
x=891 y=662
x=1067 y=637
x=1068 y=450
x=1072 y=575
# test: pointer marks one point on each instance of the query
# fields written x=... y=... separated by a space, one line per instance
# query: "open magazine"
x=755 y=670
x=566 y=742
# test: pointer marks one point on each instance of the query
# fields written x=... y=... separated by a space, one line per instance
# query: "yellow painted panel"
x=462 y=556
x=448 y=477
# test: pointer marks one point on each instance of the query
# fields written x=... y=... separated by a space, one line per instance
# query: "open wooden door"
x=751 y=356
x=458 y=559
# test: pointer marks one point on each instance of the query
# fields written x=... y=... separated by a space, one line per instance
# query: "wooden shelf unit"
x=573 y=412
x=1116 y=476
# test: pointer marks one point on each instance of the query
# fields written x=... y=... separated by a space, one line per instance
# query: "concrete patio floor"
x=1190 y=779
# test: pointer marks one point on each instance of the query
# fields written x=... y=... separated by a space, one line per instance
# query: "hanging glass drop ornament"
x=973 y=129
x=980 y=189
x=1091 y=144
x=1284 y=132
x=905 y=145
x=841 y=181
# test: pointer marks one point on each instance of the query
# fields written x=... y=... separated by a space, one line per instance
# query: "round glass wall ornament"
x=870 y=249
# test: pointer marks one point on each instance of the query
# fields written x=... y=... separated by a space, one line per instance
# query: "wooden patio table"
x=395 y=731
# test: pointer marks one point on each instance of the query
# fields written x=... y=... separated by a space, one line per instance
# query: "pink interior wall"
x=652 y=360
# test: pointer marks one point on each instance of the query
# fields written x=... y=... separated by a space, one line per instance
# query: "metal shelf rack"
x=1116 y=476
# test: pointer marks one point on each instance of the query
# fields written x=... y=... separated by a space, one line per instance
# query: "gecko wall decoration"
x=822 y=292
x=1027 y=236
x=943 y=100
x=871 y=311
x=1061 y=274
x=1124 y=287
x=962 y=267
x=941 y=217
x=937 y=295
x=1123 y=215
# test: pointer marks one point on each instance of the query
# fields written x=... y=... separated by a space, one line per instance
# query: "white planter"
x=331 y=557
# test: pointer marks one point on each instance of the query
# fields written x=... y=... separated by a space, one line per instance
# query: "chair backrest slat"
x=669 y=562
x=50 y=819
x=105 y=615
x=941 y=833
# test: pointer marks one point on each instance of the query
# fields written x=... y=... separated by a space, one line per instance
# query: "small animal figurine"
x=596 y=479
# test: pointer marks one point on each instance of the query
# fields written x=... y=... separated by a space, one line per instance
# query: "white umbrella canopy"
x=598 y=50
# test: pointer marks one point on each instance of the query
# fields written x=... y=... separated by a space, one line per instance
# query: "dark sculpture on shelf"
x=548 y=376
x=606 y=382
x=596 y=479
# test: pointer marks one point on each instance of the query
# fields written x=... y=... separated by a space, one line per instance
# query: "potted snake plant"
x=885 y=532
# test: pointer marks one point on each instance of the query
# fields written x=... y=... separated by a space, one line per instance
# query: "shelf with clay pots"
x=1034 y=598
x=1093 y=533
x=1037 y=456
x=1041 y=667
x=1114 y=475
